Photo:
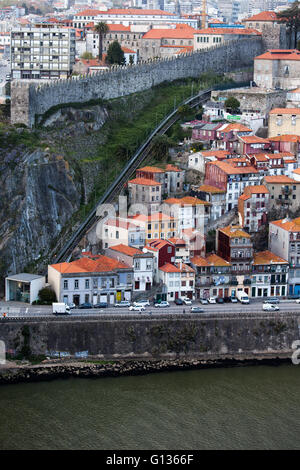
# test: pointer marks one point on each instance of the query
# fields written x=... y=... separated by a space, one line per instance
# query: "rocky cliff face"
x=38 y=194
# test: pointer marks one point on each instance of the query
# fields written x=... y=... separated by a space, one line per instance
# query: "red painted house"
x=250 y=144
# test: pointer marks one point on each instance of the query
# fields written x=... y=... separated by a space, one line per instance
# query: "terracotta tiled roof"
x=279 y=55
x=233 y=170
x=253 y=139
x=244 y=197
x=119 y=223
x=89 y=12
x=144 y=182
x=267 y=257
x=86 y=265
x=287 y=224
x=257 y=189
x=172 y=268
x=128 y=51
x=220 y=31
x=234 y=231
x=279 y=179
x=215 y=260
x=151 y=169
x=126 y=250
x=178 y=33
x=170 y=167
x=186 y=201
x=177 y=241
x=236 y=127
x=135 y=11
x=285 y=110
x=210 y=189
x=285 y=138
x=297 y=171
x=215 y=153
x=200 y=261
x=263 y=16
x=157 y=244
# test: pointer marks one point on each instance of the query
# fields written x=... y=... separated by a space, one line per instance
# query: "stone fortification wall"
x=31 y=100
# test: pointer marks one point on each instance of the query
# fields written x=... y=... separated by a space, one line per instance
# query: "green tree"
x=115 y=54
x=87 y=55
x=101 y=29
x=232 y=103
x=291 y=18
x=160 y=147
x=47 y=295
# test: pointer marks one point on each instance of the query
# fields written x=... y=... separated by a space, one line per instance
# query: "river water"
x=233 y=408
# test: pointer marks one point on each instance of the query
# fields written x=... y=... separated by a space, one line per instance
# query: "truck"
x=242 y=297
x=60 y=309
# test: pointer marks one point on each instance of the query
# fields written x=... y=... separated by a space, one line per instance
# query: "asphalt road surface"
x=226 y=308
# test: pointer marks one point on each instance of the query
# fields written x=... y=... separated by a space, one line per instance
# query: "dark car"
x=85 y=305
x=227 y=299
x=178 y=302
x=101 y=305
x=219 y=300
x=271 y=300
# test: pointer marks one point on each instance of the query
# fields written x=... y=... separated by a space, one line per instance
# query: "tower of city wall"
x=31 y=100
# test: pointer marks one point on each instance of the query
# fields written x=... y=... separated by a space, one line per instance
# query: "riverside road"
x=12 y=311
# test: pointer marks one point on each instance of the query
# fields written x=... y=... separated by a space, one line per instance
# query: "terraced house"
x=91 y=279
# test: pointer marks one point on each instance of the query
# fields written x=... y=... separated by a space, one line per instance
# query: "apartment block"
x=42 y=52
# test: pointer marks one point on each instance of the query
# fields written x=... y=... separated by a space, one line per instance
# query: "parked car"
x=123 y=303
x=85 y=305
x=197 y=310
x=162 y=304
x=297 y=301
x=203 y=301
x=227 y=299
x=186 y=301
x=101 y=305
x=233 y=299
x=269 y=307
x=271 y=300
x=178 y=302
x=219 y=300
x=137 y=308
x=72 y=305
x=142 y=303
x=212 y=300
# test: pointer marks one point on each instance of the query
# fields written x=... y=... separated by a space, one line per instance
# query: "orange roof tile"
x=285 y=54
x=279 y=179
x=285 y=110
x=263 y=16
x=234 y=231
x=216 y=260
x=119 y=223
x=87 y=265
x=151 y=169
x=285 y=138
x=267 y=257
x=135 y=11
x=215 y=153
x=233 y=170
x=287 y=224
x=297 y=171
x=210 y=189
x=257 y=189
x=178 y=33
x=200 y=261
x=186 y=201
x=237 y=31
x=253 y=139
x=236 y=127
x=172 y=268
x=89 y=12
x=170 y=167
x=144 y=182
x=126 y=250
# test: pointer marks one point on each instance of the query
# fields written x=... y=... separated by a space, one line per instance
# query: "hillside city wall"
x=31 y=100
